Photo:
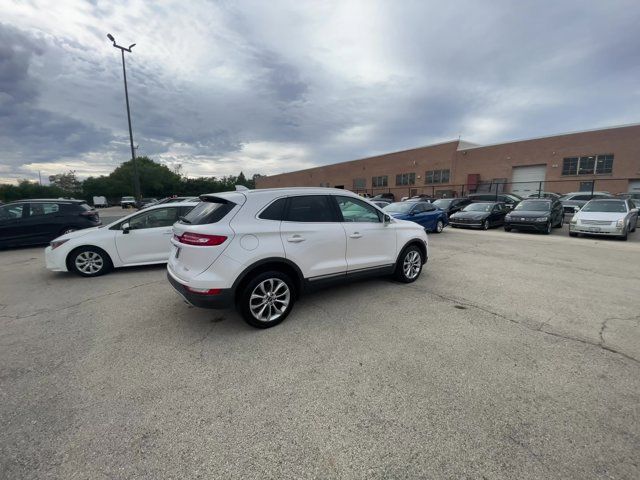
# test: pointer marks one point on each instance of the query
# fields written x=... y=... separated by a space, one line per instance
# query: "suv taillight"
x=200 y=239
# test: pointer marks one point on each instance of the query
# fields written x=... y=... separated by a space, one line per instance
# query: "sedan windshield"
x=442 y=203
x=605 y=206
x=533 y=206
x=478 y=207
x=399 y=207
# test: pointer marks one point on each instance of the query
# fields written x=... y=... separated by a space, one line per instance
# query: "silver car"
x=614 y=217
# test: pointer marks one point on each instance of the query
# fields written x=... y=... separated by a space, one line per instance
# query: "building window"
x=436 y=176
x=406 y=179
x=570 y=166
x=594 y=164
x=359 y=183
x=604 y=163
x=586 y=165
x=381 y=181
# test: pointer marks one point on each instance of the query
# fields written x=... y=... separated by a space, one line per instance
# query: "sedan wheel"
x=90 y=262
x=485 y=225
x=439 y=226
x=549 y=227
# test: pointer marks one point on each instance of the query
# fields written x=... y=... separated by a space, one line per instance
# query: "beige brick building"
x=610 y=158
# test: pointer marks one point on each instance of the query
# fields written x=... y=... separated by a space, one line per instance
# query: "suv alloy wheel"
x=409 y=265
x=267 y=299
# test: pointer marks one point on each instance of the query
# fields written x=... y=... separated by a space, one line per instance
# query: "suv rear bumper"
x=221 y=300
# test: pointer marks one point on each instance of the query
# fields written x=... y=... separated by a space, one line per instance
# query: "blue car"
x=429 y=216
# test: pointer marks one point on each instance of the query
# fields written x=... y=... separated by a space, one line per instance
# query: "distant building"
x=559 y=163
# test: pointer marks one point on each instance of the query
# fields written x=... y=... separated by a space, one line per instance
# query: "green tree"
x=156 y=180
x=66 y=181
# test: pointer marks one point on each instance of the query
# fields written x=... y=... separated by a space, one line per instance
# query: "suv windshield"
x=533 y=206
x=478 y=207
x=605 y=206
x=399 y=207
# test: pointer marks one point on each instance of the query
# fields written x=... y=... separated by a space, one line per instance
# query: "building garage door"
x=634 y=186
x=526 y=180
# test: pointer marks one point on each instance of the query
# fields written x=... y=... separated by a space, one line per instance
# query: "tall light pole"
x=136 y=178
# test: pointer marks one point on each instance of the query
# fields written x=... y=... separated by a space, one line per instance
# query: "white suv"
x=260 y=249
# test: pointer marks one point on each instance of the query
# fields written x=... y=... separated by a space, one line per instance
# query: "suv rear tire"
x=267 y=299
x=409 y=265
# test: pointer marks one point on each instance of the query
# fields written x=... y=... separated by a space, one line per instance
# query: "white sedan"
x=610 y=216
x=142 y=238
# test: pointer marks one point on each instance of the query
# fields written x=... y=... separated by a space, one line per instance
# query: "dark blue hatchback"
x=426 y=214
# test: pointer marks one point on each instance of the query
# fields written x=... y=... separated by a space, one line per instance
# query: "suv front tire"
x=409 y=265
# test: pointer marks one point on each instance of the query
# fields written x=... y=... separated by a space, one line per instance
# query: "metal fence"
x=524 y=189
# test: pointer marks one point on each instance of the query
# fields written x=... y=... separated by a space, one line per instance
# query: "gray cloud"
x=27 y=132
x=219 y=86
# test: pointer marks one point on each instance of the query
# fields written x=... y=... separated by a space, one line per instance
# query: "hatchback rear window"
x=210 y=211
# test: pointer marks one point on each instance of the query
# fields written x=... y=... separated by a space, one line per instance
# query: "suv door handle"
x=355 y=235
x=295 y=239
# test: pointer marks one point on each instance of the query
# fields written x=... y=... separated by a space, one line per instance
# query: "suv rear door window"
x=38 y=209
x=310 y=208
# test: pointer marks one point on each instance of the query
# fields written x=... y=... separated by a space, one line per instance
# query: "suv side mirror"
x=125 y=227
x=387 y=219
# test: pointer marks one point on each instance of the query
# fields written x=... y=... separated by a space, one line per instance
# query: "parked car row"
x=601 y=216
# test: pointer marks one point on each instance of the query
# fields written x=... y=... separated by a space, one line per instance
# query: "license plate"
x=592 y=229
x=178 y=252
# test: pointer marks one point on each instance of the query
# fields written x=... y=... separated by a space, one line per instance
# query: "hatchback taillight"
x=200 y=239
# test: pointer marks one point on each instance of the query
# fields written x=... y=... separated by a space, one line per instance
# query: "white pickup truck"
x=100 y=202
x=128 y=202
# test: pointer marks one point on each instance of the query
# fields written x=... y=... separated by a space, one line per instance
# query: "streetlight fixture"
x=136 y=178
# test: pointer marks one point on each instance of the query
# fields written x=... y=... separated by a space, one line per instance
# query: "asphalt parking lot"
x=513 y=356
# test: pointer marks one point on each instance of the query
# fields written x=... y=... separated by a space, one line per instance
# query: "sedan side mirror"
x=387 y=219
x=126 y=228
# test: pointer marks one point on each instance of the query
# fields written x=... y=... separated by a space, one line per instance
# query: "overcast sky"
x=274 y=86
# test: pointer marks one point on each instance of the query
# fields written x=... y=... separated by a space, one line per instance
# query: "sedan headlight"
x=574 y=220
x=620 y=223
x=542 y=219
x=56 y=243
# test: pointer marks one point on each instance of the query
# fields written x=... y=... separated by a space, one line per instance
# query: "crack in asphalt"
x=540 y=328
x=66 y=307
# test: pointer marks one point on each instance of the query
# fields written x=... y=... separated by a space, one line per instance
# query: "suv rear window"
x=208 y=211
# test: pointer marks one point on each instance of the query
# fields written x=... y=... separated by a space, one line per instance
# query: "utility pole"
x=136 y=178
